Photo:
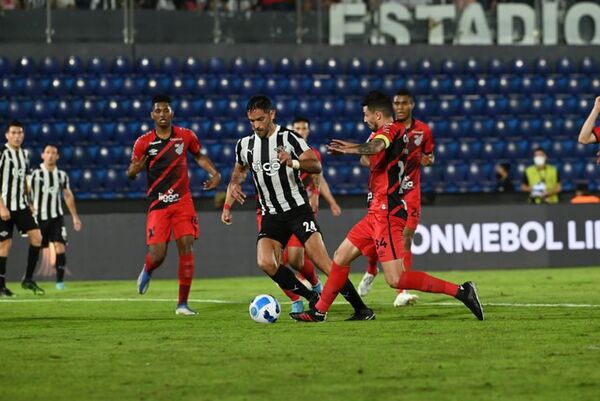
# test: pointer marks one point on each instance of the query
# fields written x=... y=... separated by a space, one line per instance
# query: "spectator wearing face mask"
x=541 y=180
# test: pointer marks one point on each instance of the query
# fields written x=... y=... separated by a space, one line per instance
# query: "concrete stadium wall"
x=111 y=246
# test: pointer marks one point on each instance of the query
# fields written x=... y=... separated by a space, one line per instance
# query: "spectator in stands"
x=503 y=181
x=274 y=5
x=10 y=5
x=541 y=180
x=582 y=195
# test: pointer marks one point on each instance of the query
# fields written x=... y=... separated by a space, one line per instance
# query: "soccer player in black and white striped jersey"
x=48 y=186
x=15 y=208
x=276 y=155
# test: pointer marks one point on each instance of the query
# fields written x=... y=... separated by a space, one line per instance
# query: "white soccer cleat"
x=365 y=284
x=184 y=309
x=405 y=298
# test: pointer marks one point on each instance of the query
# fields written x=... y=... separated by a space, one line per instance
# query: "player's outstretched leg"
x=405 y=298
x=153 y=260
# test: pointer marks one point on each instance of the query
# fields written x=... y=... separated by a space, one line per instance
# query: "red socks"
x=336 y=280
x=372 y=266
x=413 y=280
x=148 y=264
x=186 y=273
x=308 y=271
x=293 y=297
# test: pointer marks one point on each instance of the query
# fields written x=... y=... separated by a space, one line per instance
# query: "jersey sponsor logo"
x=49 y=189
x=176 y=139
x=170 y=197
x=179 y=148
x=19 y=172
x=269 y=168
x=3 y=234
x=152 y=152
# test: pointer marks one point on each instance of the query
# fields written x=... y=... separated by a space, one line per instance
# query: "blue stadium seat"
x=352 y=106
x=284 y=66
x=43 y=109
x=527 y=127
x=439 y=126
x=133 y=86
x=356 y=66
x=116 y=180
x=485 y=85
x=440 y=85
x=518 y=105
x=588 y=66
x=432 y=174
x=418 y=85
x=286 y=107
x=213 y=107
x=140 y=108
x=464 y=85
x=117 y=109
x=109 y=86
x=404 y=67
x=96 y=66
x=455 y=172
x=11 y=86
x=480 y=172
x=276 y=86
x=228 y=85
x=578 y=85
x=169 y=65
x=591 y=172
x=563 y=148
x=469 y=149
x=426 y=67
x=540 y=142
x=3 y=107
x=542 y=66
x=234 y=108
x=510 y=84
x=495 y=105
x=205 y=85
x=157 y=84
x=263 y=66
x=183 y=108
x=446 y=150
x=20 y=109
x=5 y=66
x=571 y=171
x=120 y=66
x=493 y=149
x=474 y=66
x=555 y=84
x=216 y=65
x=33 y=87
x=379 y=67
x=336 y=174
x=181 y=86
x=322 y=86
x=565 y=65
x=542 y=105
x=551 y=127
x=332 y=107
x=60 y=86
x=451 y=67
x=361 y=130
x=428 y=106
x=496 y=66
x=333 y=66
x=121 y=154
x=391 y=84
x=25 y=66
x=358 y=175
x=473 y=106
x=49 y=66
x=85 y=86
x=449 y=107
x=520 y=66
x=457 y=128
x=533 y=84
x=346 y=85
x=299 y=86
x=193 y=65
x=77 y=132
x=565 y=105
x=105 y=157
x=480 y=127
x=308 y=66
x=240 y=66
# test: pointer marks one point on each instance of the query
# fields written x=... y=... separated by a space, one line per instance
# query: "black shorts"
x=24 y=221
x=53 y=230
x=280 y=227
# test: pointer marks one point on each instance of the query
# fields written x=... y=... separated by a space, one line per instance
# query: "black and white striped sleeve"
x=298 y=144
x=66 y=183
x=239 y=153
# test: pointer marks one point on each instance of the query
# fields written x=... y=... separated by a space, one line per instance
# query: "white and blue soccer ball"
x=264 y=309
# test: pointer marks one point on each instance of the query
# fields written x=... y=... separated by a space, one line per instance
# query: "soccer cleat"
x=310 y=316
x=60 y=285
x=297 y=306
x=405 y=298
x=365 y=284
x=143 y=281
x=184 y=309
x=363 y=314
x=6 y=293
x=318 y=287
x=31 y=285
x=467 y=294
x=312 y=301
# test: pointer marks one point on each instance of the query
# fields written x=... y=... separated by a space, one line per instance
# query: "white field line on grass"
x=220 y=301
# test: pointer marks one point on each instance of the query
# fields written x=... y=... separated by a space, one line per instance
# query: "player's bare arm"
x=314 y=197
x=70 y=202
x=337 y=146
x=234 y=192
x=336 y=210
x=136 y=166
x=586 y=135
x=208 y=166
x=4 y=212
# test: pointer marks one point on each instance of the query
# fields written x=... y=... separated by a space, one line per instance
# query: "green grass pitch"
x=102 y=341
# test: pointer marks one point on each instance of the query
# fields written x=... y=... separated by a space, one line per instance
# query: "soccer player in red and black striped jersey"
x=590 y=133
x=420 y=153
x=162 y=152
x=385 y=221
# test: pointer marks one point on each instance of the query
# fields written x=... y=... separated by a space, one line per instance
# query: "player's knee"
x=267 y=265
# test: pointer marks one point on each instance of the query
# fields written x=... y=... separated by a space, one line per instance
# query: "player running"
x=48 y=186
x=163 y=153
x=385 y=221
x=420 y=153
x=590 y=133
x=276 y=156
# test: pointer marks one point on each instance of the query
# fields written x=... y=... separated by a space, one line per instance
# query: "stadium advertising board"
x=509 y=24
x=511 y=236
